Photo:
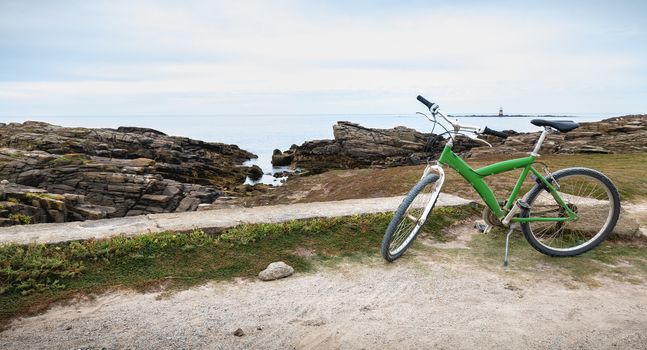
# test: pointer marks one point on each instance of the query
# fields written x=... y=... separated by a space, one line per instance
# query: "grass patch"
x=34 y=276
x=71 y=159
x=624 y=261
x=444 y=217
x=625 y=170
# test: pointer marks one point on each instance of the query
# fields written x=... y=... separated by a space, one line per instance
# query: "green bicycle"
x=566 y=213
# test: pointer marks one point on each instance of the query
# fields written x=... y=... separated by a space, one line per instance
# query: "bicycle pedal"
x=482 y=227
x=523 y=205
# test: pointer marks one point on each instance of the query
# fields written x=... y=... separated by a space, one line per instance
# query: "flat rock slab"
x=210 y=221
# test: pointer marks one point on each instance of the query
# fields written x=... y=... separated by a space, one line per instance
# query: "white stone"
x=275 y=271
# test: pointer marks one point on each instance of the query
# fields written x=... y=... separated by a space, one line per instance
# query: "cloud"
x=207 y=54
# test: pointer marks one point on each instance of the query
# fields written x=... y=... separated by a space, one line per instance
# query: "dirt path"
x=414 y=303
x=638 y=212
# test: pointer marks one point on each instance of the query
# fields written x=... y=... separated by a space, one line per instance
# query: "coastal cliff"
x=56 y=174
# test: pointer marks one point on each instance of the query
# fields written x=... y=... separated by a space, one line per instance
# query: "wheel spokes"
x=410 y=220
x=587 y=197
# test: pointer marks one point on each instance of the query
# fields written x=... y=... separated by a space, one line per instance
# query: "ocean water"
x=261 y=134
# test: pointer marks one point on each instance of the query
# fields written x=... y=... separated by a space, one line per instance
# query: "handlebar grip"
x=495 y=133
x=424 y=101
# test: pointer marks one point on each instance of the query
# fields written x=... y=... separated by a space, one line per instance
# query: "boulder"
x=255 y=173
x=275 y=271
x=282 y=158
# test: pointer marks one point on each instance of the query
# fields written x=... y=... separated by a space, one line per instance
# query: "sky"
x=102 y=58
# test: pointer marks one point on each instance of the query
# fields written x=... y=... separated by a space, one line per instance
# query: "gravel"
x=412 y=303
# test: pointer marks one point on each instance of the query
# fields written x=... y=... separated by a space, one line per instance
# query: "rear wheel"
x=409 y=218
x=588 y=193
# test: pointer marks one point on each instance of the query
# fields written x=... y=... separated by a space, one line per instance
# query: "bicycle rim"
x=589 y=197
x=411 y=221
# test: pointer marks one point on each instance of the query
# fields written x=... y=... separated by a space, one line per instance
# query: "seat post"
x=542 y=137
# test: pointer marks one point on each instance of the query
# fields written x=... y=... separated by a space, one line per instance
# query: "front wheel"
x=588 y=193
x=409 y=218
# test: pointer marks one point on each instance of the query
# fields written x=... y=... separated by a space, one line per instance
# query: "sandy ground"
x=638 y=212
x=413 y=303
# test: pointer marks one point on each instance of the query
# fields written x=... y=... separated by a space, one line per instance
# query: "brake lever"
x=426 y=116
x=477 y=139
x=485 y=142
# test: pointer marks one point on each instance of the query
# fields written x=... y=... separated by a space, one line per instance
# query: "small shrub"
x=36 y=268
x=20 y=218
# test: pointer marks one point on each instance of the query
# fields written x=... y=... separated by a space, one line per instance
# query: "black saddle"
x=561 y=125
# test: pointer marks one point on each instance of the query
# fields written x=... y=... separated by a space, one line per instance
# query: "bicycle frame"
x=475 y=178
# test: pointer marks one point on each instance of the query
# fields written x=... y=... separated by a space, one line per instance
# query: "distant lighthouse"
x=500 y=111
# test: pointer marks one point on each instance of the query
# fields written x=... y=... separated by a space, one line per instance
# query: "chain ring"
x=491 y=219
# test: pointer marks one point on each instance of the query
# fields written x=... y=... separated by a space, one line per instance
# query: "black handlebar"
x=486 y=130
x=425 y=102
x=495 y=133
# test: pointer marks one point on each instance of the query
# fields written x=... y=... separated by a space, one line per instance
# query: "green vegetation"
x=625 y=170
x=34 y=276
x=20 y=218
x=444 y=217
x=36 y=195
x=71 y=159
x=13 y=200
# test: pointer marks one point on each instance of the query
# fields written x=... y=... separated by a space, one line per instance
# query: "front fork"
x=438 y=169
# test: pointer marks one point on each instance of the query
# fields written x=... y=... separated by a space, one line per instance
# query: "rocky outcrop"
x=177 y=158
x=625 y=134
x=28 y=205
x=357 y=146
x=128 y=171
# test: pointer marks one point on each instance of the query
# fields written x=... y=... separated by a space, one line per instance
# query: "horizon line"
x=463 y=115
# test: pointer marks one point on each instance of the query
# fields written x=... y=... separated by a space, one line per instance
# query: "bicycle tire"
x=392 y=230
x=587 y=223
